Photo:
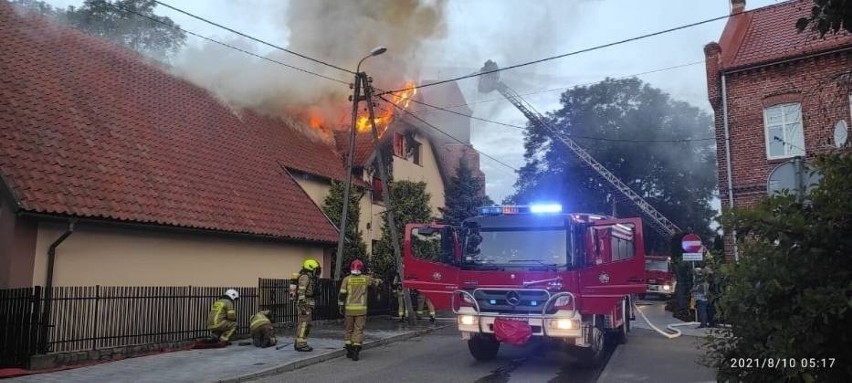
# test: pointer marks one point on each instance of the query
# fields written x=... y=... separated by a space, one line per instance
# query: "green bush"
x=790 y=294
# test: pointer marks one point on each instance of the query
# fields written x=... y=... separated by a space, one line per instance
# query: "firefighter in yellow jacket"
x=352 y=301
x=307 y=285
x=262 y=332
x=222 y=320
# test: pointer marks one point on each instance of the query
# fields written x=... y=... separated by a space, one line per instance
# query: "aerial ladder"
x=490 y=81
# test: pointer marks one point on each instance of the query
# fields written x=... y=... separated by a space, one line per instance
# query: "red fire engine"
x=516 y=272
x=659 y=276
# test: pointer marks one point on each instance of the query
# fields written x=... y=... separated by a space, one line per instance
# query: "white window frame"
x=791 y=147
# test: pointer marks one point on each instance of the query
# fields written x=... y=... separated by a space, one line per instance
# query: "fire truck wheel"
x=593 y=356
x=621 y=338
x=483 y=347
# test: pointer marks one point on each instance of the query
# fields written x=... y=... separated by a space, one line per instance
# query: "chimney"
x=737 y=6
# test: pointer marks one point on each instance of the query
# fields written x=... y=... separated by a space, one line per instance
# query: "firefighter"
x=222 y=320
x=400 y=298
x=423 y=300
x=262 y=332
x=307 y=285
x=352 y=301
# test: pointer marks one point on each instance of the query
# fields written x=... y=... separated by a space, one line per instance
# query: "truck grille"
x=509 y=301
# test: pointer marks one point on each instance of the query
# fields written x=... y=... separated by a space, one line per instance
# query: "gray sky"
x=509 y=33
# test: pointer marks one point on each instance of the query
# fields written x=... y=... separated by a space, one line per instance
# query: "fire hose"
x=670 y=327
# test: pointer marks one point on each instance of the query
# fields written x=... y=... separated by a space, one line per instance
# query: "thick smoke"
x=337 y=32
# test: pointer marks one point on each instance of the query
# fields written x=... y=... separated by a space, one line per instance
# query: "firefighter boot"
x=432 y=319
x=350 y=350
x=355 y=351
x=303 y=347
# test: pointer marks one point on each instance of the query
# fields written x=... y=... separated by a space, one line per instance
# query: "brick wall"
x=822 y=86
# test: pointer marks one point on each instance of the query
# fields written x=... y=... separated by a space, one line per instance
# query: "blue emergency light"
x=523 y=209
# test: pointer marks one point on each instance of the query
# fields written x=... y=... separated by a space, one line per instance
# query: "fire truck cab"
x=659 y=276
x=514 y=273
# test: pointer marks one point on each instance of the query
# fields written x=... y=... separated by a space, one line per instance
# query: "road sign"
x=691 y=243
x=694 y=257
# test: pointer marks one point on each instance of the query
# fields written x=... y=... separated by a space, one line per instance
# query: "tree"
x=620 y=123
x=828 y=16
x=465 y=195
x=410 y=205
x=131 y=23
x=789 y=294
x=354 y=246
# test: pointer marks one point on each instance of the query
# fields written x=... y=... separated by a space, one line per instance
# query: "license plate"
x=518 y=319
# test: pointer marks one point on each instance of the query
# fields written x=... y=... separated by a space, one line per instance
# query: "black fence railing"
x=96 y=317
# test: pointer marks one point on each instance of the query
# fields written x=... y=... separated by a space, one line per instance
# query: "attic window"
x=414 y=152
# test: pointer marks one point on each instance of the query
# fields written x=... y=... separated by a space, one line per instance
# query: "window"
x=378 y=191
x=426 y=244
x=784 y=134
x=414 y=152
x=398 y=145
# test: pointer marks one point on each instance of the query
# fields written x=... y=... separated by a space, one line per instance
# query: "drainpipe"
x=728 y=161
x=48 y=285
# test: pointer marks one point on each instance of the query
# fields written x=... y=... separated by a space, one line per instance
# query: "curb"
x=326 y=356
x=605 y=372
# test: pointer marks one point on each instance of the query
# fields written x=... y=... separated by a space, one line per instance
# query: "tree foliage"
x=790 y=294
x=828 y=16
x=410 y=205
x=131 y=23
x=465 y=195
x=354 y=246
x=614 y=121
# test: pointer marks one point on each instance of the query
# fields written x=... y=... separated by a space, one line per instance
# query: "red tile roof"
x=89 y=129
x=768 y=34
x=363 y=146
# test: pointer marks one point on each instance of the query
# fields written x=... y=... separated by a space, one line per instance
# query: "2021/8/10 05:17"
x=782 y=362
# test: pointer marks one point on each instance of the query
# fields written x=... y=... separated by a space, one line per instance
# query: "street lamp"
x=360 y=80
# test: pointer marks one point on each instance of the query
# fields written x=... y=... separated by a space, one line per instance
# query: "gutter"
x=48 y=288
x=728 y=160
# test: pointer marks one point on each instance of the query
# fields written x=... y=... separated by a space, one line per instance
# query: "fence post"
x=97 y=317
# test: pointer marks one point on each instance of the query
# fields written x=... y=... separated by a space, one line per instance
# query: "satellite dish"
x=794 y=175
x=841 y=134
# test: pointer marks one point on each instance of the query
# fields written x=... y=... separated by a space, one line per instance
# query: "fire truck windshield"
x=656 y=265
x=515 y=242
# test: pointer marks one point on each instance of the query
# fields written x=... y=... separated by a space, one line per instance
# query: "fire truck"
x=659 y=276
x=518 y=272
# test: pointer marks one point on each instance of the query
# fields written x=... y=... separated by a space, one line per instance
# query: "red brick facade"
x=756 y=78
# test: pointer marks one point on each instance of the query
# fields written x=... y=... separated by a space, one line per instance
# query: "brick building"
x=777 y=94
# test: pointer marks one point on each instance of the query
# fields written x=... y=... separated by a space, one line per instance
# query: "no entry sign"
x=691 y=243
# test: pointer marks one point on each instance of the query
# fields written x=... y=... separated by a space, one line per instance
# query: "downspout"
x=728 y=160
x=48 y=285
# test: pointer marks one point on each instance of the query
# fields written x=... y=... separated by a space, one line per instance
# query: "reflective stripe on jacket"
x=222 y=310
x=258 y=320
x=353 y=293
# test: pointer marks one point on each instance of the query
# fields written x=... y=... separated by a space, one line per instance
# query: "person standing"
x=306 y=290
x=699 y=293
x=222 y=319
x=400 y=298
x=423 y=300
x=262 y=331
x=352 y=301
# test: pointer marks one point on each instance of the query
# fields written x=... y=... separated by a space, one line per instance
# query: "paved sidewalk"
x=651 y=357
x=234 y=363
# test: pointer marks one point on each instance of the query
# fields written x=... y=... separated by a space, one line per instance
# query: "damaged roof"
x=90 y=129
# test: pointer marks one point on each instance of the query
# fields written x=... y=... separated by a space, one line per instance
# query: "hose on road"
x=670 y=327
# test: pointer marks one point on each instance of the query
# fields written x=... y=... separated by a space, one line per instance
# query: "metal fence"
x=95 y=317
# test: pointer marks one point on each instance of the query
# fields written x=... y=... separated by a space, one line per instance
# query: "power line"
x=254 y=38
x=581 y=84
x=594 y=48
x=573 y=136
x=446 y=134
x=119 y=7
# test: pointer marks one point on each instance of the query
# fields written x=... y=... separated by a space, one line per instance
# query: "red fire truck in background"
x=517 y=272
x=659 y=276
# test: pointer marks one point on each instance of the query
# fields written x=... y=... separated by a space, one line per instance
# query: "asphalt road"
x=443 y=357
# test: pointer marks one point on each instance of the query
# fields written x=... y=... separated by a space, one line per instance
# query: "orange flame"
x=384 y=116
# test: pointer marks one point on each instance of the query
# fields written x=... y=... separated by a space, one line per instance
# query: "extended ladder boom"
x=658 y=221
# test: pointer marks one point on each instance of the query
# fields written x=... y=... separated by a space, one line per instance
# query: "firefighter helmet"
x=233 y=294
x=357 y=266
x=311 y=265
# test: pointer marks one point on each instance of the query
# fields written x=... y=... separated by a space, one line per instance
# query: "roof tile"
x=92 y=130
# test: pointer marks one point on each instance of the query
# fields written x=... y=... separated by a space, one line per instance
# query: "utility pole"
x=362 y=83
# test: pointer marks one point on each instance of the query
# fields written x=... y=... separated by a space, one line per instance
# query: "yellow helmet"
x=310 y=264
